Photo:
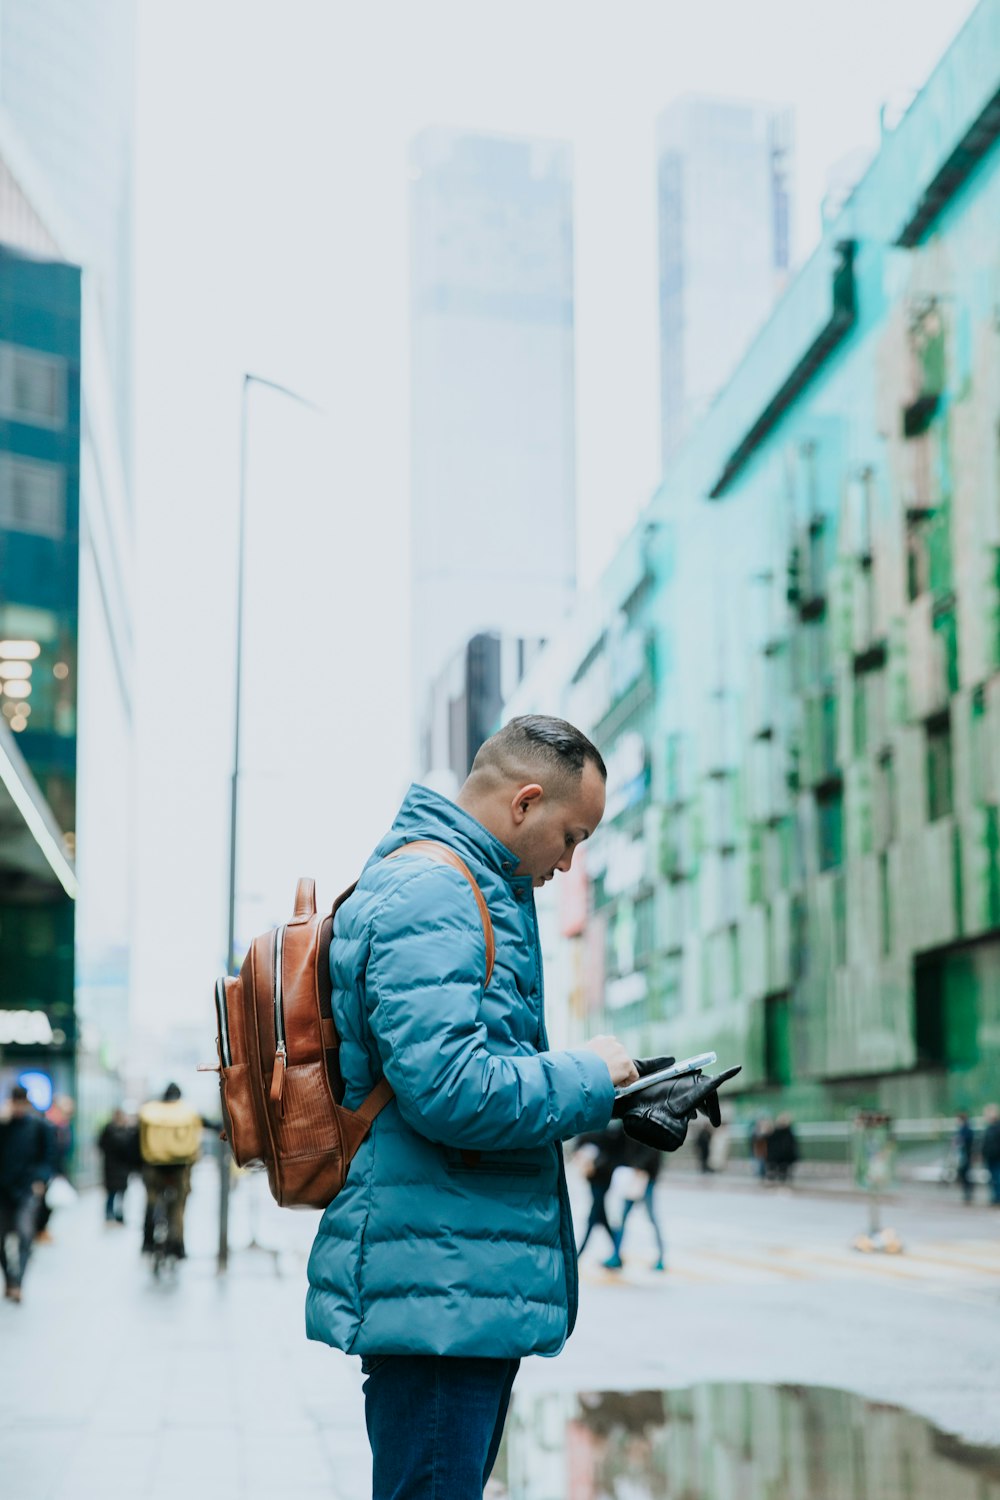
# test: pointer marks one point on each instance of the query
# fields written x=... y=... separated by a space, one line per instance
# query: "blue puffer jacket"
x=424 y=1251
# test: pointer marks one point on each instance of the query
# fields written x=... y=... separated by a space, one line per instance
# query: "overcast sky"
x=271 y=236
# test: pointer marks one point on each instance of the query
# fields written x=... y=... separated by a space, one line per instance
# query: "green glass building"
x=792 y=668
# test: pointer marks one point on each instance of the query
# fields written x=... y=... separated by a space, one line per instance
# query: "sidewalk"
x=205 y=1388
x=193 y=1388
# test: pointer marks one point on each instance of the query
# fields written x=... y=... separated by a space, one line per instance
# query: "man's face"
x=548 y=828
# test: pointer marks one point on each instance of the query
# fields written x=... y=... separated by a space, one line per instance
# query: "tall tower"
x=493 y=408
x=66 y=98
x=66 y=123
x=724 y=193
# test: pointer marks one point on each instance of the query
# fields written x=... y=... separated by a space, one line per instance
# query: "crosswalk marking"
x=947 y=1269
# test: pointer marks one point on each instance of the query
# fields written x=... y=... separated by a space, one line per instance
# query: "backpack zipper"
x=280 y=1052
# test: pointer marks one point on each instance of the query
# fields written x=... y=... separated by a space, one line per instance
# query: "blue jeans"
x=434 y=1423
x=650 y=1207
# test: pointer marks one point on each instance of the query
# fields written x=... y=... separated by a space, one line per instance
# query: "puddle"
x=734 y=1442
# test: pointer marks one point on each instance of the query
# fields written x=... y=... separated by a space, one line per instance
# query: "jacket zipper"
x=280 y=1052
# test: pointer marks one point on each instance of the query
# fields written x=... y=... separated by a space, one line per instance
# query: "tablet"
x=677 y=1070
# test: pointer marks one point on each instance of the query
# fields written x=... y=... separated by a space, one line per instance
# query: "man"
x=118 y=1146
x=169 y=1145
x=449 y=1254
x=27 y=1163
x=964 y=1140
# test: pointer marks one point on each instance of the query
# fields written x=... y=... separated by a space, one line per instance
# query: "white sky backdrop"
x=272 y=237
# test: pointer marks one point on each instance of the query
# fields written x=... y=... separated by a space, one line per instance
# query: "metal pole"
x=248 y=380
x=234 y=790
x=222 y=1261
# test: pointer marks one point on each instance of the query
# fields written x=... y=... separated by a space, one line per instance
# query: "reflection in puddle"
x=735 y=1442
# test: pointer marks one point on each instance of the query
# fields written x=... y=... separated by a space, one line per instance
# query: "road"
x=118 y=1387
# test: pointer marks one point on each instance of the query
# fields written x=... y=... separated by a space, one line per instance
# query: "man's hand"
x=620 y=1065
x=38 y=1188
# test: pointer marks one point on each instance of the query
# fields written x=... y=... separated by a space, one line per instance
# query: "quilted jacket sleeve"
x=425 y=984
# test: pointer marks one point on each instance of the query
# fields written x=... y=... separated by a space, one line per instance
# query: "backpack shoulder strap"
x=362 y=1119
x=445 y=855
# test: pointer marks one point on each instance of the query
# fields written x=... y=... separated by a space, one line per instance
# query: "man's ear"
x=523 y=800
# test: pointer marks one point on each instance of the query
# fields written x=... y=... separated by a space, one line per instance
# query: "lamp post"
x=249 y=380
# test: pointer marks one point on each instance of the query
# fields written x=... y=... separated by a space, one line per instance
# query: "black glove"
x=643 y=1066
x=659 y=1116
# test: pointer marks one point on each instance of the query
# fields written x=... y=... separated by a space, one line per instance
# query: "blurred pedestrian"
x=170 y=1143
x=608 y=1152
x=703 y=1147
x=964 y=1141
x=59 y=1118
x=990 y=1150
x=782 y=1150
x=718 y=1151
x=117 y=1145
x=27 y=1160
x=646 y=1162
x=759 y=1135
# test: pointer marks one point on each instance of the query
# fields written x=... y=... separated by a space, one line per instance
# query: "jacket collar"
x=426 y=814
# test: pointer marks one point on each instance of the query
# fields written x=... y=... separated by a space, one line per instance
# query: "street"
x=118 y=1386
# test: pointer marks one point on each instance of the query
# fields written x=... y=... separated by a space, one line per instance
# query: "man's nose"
x=566 y=861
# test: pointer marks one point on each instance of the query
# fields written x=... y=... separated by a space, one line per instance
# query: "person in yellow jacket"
x=169 y=1145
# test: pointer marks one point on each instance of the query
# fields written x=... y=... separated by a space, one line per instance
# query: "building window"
x=939 y=768
x=32 y=387
x=918 y=563
x=735 y=966
x=32 y=497
x=830 y=821
x=885 y=903
x=777 y=1040
x=729 y=891
x=885 y=800
x=979 y=751
x=839 y=921
x=860 y=717
x=675 y=769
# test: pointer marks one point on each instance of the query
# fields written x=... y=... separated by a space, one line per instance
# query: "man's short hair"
x=537 y=739
x=19 y=1094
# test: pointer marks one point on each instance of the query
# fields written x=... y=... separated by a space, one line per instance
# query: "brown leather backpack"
x=279 y=1074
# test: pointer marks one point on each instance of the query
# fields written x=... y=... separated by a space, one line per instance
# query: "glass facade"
x=66 y=106
x=66 y=89
x=40 y=435
x=792 y=668
x=65 y=668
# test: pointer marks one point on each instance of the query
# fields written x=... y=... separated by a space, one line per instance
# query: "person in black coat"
x=118 y=1147
x=782 y=1150
x=990 y=1149
x=27 y=1162
x=603 y=1151
x=646 y=1161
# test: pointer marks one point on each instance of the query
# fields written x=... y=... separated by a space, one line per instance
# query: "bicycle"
x=164 y=1249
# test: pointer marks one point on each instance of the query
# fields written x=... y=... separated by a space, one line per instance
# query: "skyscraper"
x=724 y=197
x=493 y=408
x=65 y=543
x=66 y=116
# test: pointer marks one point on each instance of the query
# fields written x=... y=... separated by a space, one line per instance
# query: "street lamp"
x=249 y=380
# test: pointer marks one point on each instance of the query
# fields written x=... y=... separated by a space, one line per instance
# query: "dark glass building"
x=40 y=447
